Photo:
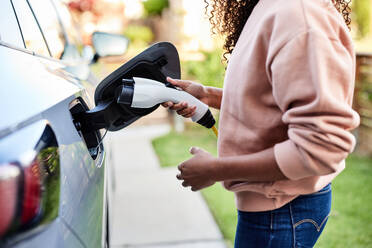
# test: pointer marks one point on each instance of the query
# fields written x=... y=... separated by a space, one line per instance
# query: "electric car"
x=55 y=183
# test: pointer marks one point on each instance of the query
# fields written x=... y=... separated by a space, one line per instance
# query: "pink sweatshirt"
x=289 y=85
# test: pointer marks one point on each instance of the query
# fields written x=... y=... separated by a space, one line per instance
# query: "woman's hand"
x=197 y=172
x=195 y=89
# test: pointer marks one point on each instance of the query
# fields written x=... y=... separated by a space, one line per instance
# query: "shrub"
x=155 y=7
x=209 y=71
x=138 y=33
x=362 y=13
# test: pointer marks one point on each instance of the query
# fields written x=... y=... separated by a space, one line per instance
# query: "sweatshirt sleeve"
x=313 y=83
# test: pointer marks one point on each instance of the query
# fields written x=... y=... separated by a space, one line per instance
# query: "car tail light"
x=31 y=192
x=29 y=180
x=9 y=182
x=21 y=195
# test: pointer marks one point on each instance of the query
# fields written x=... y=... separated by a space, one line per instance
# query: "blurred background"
x=184 y=23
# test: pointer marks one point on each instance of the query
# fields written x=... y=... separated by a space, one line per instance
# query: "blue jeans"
x=296 y=224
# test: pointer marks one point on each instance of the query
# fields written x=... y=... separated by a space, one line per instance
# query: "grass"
x=350 y=224
x=173 y=147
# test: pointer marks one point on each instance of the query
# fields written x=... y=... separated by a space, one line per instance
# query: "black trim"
x=41 y=30
x=19 y=26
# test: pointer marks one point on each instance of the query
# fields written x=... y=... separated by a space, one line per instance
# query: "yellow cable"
x=214 y=129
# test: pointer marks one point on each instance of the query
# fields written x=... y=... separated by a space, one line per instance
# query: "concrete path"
x=152 y=209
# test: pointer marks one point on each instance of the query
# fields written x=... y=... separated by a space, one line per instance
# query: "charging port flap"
x=157 y=62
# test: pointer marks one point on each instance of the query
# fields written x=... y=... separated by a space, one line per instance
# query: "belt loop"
x=292 y=224
x=271 y=220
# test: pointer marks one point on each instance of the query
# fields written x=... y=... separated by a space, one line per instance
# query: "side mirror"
x=107 y=44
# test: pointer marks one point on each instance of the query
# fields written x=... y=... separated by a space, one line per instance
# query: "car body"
x=55 y=184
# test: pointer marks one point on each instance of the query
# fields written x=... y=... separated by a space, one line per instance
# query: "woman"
x=285 y=117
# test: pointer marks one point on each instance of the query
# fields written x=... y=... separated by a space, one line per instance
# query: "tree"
x=362 y=16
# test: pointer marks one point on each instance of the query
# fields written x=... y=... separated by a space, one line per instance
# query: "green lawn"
x=350 y=224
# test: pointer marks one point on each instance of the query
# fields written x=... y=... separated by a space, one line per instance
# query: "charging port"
x=91 y=137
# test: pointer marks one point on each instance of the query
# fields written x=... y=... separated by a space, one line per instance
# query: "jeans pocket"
x=309 y=216
x=307 y=232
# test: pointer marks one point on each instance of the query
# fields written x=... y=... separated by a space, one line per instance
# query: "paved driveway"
x=151 y=207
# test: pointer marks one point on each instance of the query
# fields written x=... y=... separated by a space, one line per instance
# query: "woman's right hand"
x=195 y=89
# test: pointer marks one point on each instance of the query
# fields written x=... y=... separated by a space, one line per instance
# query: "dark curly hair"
x=228 y=18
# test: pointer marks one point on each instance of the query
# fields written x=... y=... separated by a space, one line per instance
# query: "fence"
x=363 y=102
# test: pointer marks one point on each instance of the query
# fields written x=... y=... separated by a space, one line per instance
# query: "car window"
x=9 y=30
x=32 y=37
x=49 y=23
x=75 y=45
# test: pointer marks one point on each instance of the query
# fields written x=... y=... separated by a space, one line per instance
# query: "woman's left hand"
x=197 y=171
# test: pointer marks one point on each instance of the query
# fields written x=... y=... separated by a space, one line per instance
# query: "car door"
x=39 y=93
x=46 y=106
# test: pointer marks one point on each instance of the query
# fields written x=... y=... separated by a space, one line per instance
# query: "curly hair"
x=228 y=18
